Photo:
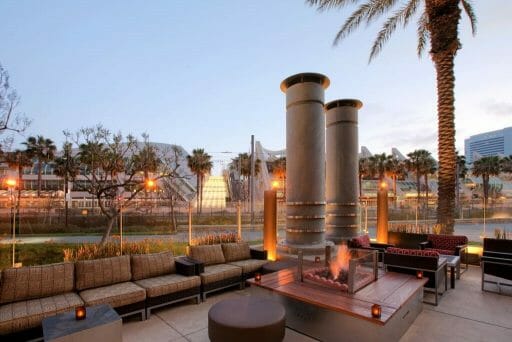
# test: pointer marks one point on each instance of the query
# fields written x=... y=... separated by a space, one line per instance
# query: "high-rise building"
x=494 y=143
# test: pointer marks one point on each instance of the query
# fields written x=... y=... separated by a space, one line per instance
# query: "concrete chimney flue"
x=342 y=186
x=305 y=161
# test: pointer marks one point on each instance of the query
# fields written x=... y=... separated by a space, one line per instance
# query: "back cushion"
x=406 y=251
x=361 y=241
x=101 y=272
x=152 y=265
x=447 y=241
x=208 y=254
x=36 y=281
x=236 y=251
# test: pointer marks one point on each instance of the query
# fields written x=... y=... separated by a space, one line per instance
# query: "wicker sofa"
x=130 y=284
x=226 y=265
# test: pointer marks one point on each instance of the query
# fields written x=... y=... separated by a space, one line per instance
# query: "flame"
x=341 y=263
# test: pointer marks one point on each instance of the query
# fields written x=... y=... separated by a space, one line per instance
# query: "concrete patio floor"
x=463 y=314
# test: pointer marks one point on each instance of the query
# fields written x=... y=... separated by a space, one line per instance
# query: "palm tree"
x=200 y=164
x=486 y=167
x=378 y=164
x=506 y=164
x=242 y=164
x=462 y=171
x=429 y=168
x=418 y=163
x=364 y=172
x=43 y=150
x=278 y=170
x=396 y=169
x=66 y=167
x=438 y=23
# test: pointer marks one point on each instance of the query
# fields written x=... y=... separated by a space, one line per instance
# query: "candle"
x=419 y=274
x=257 y=277
x=317 y=259
x=80 y=313
x=376 y=310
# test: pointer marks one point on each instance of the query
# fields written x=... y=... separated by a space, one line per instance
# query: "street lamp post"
x=11 y=184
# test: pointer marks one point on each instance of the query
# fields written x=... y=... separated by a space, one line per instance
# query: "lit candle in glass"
x=257 y=277
x=419 y=274
x=376 y=310
x=80 y=313
x=317 y=259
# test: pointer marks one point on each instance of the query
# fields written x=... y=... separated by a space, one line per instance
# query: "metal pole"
x=121 y=224
x=239 y=220
x=253 y=167
x=13 y=224
x=189 y=223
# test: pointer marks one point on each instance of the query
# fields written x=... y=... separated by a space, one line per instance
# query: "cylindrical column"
x=270 y=223
x=342 y=169
x=305 y=159
x=382 y=213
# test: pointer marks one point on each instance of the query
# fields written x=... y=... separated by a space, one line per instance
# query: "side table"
x=453 y=262
x=101 y=324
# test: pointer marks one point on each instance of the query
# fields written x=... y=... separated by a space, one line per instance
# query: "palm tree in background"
x=43 y=150
x=506 y=164
x=437 y=24
x=486 y=167
x=68 y=168
x=418 y=162
x=462 y=171
x=396 y=169
x=200 y=164
x=429 y=168
x=378 y=165
x=364 y=172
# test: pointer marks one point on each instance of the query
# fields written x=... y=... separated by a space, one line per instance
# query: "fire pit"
x=350 y=271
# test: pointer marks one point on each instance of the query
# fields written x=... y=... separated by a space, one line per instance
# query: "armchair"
x=364 y=242
x=497 y=261
x=447 y=245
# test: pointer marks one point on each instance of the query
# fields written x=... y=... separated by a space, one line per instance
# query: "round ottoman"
x=246 y=319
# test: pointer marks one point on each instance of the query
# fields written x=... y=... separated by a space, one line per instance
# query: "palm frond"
x=378 y=7
x=353 y=22
x=324 y=5
x=468 y=8
x=401 y=16
x=423 y=34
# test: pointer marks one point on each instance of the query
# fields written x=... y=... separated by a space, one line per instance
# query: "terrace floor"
x=463 y=314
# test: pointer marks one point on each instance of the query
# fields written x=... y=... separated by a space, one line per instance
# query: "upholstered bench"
x=248 y=319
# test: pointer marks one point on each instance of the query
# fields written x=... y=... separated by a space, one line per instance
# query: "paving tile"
x=199 y=336
x=151 y=330
x=293 y=336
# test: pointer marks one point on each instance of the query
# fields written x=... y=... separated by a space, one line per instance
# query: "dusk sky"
x=207 y=73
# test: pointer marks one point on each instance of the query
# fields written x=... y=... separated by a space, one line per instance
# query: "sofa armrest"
x=495 y=260
x=461 y=249
x=199 y=265
x=498 y=255
x=259 y=254
x=425 y=244
x=380 y=245
x=185 y=267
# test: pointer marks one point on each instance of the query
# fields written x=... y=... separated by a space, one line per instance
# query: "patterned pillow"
x=208 y=254
x=236 y=251
x=152 y=265
x=36 y=281
x=407 y=251
x=449 y=242
x=361 y=241
x=101 y=272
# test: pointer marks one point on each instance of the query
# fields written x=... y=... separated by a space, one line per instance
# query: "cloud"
x=498 y=108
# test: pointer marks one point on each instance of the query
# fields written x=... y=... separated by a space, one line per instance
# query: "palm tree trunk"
x=443 y=18
x=198 y=190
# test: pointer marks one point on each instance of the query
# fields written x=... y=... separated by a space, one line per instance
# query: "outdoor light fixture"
x=317 y=259
x=376 y=310
x=275 y=184
x=80 y=313
x=419 y=274
x=257 y=276
x=11 y=183
x=150 y=183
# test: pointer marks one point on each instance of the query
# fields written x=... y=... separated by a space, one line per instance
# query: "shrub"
x=213 y=239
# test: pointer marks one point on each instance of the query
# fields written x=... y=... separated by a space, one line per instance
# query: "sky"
x=206 y=74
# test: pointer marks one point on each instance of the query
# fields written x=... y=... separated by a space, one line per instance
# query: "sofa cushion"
x=236 y=251
x=28 y=314
x=447 y=242
x=361 y=241
x=36 y=281
x=441 y=251
x=407 y=251
x=171 y=283
x=115 y=295
x=249 y=265
x=207 y=254
x=101 y=272
x=215 y=273
x=152 y=265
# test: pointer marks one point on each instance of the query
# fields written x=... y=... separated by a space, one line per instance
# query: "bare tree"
x=10 y=119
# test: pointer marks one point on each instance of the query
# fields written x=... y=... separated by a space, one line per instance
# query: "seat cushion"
x=441 y=251
x=249 y=265
x=36 y=281
x=171 y=283
x=361 y=241
x=207 y=254
x=28 y=314
x=116 y=295
x=219 y=272
x=152 y=265
x=236 y=251
x=101 y=272
x=447 y=242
